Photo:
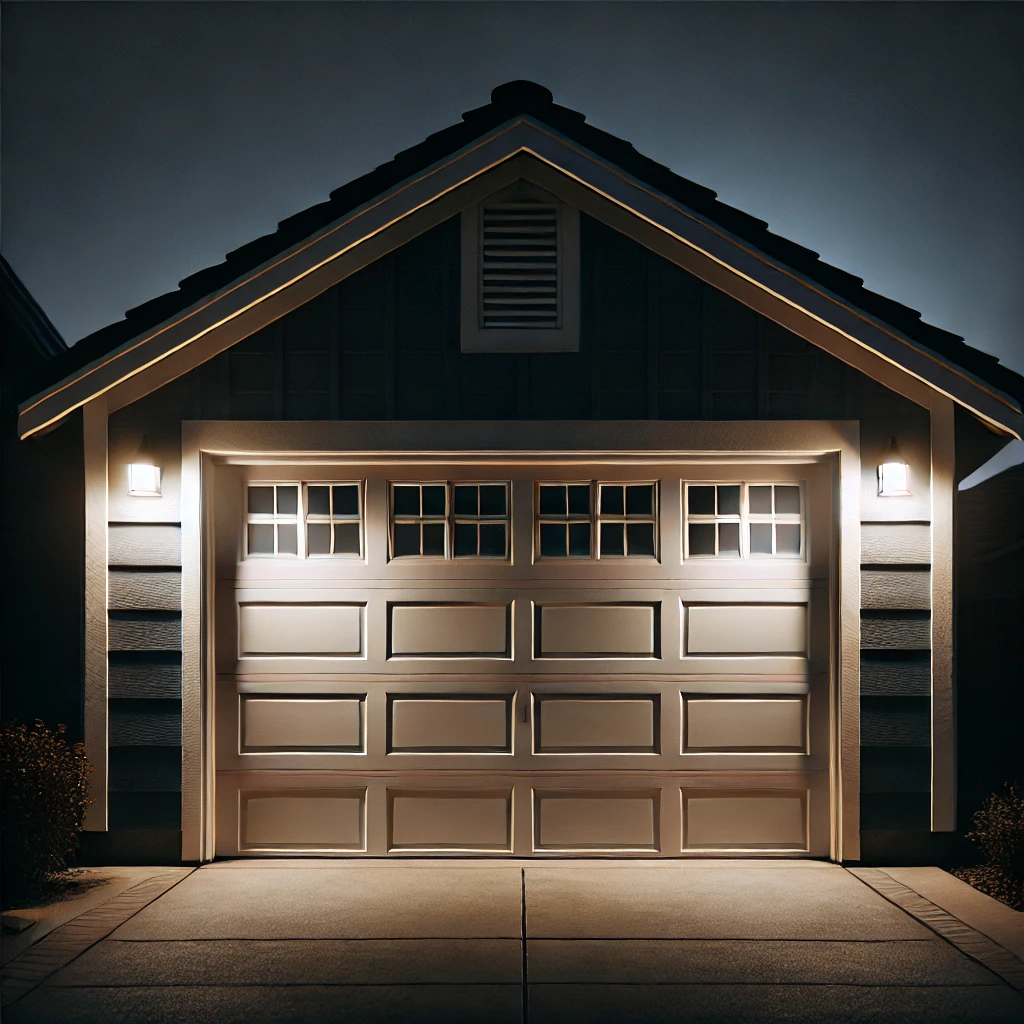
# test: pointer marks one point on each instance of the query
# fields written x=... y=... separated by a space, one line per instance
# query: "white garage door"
x=521 y=657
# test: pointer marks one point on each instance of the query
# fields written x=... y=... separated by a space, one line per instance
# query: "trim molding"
x=446 y=188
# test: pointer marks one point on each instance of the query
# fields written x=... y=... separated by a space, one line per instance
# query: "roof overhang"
x=522 y=147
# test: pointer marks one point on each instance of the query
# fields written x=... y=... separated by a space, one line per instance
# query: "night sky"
x=142 y=141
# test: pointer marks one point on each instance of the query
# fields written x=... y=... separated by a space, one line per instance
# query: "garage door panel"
x=744 y=724
x=745 y=820
x=587 y=820
x=302 y=820
x=465 y=821
x=596 y=724
x=597 y=630
x=745 y=629
x=335 y=630
x=290 y=724
x=449 y=630
x=450 y=724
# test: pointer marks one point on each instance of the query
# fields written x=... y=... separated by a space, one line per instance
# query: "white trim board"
x=411 y=207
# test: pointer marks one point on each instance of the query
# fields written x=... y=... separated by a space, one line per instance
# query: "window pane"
x=433 y=539
x=787 y=539
x=346 y=538
x=579 y=500
x=407 y=500
x=700 y=501
x=318 y=501
x=787 y=500
x=261 y=539
x=492 y=501
x=465 y=500
x=433 y=500
x=640 y=500
x=579 y=539
x=760 y=500
x=465 y=540
x=612 y=539
x=492 y=540
x=552 y=540
x=611 y=502
x=760 y=538
x=261 y=500
x=641 y=538
x=287 y=539
x=552 y=500
x=346 y=500
x=407 y=539
x=728 y=538
x=702 y=538
x=729 y=500
x=287 y=501
x=318 y=538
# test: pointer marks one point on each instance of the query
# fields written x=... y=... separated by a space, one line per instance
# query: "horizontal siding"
x=895 y=544
x=137 y=678
x=906 y=631
x=896 y=589
x=895 y=722
x=144 y=591
x=144 y=769
x=900 y=812
x=142 y=632
x=895 y=770
x=144 y=544
x=144 y=811
x=145 y=723
x=895 y=673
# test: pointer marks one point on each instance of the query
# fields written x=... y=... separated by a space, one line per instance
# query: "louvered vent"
x=519 y=273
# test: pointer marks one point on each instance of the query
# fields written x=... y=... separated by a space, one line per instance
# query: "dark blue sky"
x=142 y=141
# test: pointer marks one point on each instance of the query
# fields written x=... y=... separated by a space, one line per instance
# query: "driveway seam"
x=969 y=941
x=66 y=943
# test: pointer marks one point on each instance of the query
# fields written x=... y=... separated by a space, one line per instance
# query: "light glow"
x=893 y=473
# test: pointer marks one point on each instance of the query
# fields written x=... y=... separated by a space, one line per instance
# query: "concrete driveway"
x=324 y=941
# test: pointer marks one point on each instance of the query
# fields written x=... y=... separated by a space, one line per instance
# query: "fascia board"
x=519 y=135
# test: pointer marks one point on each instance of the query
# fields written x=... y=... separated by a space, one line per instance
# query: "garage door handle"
x=524 y=710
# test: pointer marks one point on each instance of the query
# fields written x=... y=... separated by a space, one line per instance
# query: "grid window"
x=597 y=520
x=450 y=520
x=744 y=520
x=272 y=519
x=334 y=520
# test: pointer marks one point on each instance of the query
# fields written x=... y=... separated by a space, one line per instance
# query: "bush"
x=999 y=831
x=43 y=797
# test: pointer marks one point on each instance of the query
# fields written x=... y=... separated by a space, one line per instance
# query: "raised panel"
x=608 y=820
x=596 y=724
x=144 y=591
x=442 y=724
x=772 y=629
x=300 y=629
x=895 y=544
x=596 y=630
x=271 y=724
x=302 y=820
x=751 y=820
x=734 y=724
x=470 y=820
x=144 y=544
x=449 y=630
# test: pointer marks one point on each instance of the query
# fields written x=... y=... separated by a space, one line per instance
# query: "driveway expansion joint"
x=978 y=946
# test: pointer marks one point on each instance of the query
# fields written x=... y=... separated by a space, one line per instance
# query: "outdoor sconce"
x=893 y=472
x=143 y=473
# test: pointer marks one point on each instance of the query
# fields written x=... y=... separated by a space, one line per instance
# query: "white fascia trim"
x=521 y=134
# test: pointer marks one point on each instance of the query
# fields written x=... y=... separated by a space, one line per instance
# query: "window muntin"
x=741 y=520
x=597 y=520
x=334 y=524
x=444 y=519
x=272 y=519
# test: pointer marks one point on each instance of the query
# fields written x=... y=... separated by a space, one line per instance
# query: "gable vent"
x=519 y=268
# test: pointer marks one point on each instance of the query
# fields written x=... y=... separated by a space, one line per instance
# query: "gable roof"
x=515 y=104
x=27 y=315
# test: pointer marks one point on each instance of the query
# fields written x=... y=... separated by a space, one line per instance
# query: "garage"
x=528 y=655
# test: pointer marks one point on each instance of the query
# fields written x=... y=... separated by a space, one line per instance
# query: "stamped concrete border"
x=70 y=940
x=968 y=940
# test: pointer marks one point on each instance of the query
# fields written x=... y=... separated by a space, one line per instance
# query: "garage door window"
x=441 y=519
x=744 y=520
x=272 y=512
x=621 y=517
x=334 y=519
